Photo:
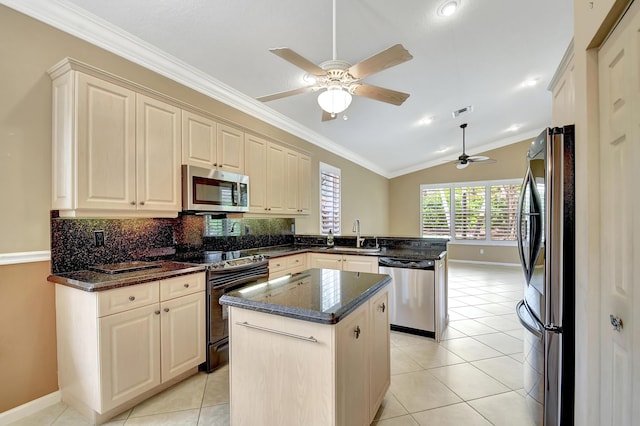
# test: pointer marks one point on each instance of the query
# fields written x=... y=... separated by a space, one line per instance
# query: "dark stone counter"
x=318 y=295
x=89 y=280
x=403 y=253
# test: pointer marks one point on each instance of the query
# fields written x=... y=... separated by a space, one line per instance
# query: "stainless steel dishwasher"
x=412 y=295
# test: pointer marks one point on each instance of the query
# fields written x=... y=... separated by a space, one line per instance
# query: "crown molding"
x=78 y=22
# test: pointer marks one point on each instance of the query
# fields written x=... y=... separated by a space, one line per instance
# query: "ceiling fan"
x=338 y=80
x=464 y=160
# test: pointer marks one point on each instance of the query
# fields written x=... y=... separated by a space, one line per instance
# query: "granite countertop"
x=280 y=251
x=89 y=280
x=317 y=295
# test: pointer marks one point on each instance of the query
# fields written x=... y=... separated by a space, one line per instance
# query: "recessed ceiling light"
x=530 y=83
x=426 y=121
x=448 y=8
x=514 y=128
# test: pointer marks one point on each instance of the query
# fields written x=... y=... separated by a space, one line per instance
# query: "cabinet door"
x=304 y=184
x=356 y=263
x=106 y=145
x=129 y=354
x=291 y=182
x=230 y=149
x=326 y=261
x=276 y=179
x=352 y=368
x=183 y=334
x=380 y=371
x=158 y=155
x=255 y=161
x=198 y=140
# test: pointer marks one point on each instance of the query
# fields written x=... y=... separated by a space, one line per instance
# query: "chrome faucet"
x=356 y=229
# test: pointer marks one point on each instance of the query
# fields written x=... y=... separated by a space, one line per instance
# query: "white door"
x=619 y=90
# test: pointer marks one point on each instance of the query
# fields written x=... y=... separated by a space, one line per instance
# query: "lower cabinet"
x=281 y=266
x=309 y=373
x=118 y=345
x=344 y=262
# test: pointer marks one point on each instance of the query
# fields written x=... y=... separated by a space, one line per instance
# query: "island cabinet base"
x=286 y=371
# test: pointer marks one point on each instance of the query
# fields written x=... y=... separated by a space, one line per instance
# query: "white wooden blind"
x=504 y=208
x=436 y=212
x=481 y=212
x=470 y=211
x=329 y=199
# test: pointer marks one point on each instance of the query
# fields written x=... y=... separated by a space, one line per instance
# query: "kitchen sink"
x=358 y=249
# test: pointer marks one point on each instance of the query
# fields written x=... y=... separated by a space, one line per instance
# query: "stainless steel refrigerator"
x=546 y=245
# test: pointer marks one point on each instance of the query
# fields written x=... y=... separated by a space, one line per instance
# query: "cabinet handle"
x=166 y=309
x=133 y=203
x=142 y=203
x=383 y=307
x=282 y=333
x=157 y=312
x=132 y=298
x=186 y=285
x=357 y=331
x=215 y=164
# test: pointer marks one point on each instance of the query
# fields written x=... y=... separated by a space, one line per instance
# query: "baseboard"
x=477 y=262
x=29 y=408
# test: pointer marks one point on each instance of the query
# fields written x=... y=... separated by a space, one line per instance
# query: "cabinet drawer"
x=277 y=265
x=125 y=298
x=182 y=285
x=296 y=263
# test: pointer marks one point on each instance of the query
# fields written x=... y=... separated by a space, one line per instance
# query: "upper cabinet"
x=279 y=178
x=211 y=145
x=562 y=89
x=113 y=150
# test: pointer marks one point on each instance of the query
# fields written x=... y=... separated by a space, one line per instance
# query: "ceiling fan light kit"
x=339 y=80
x=334 y=100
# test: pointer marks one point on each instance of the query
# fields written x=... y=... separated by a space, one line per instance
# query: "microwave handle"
x=235 y=194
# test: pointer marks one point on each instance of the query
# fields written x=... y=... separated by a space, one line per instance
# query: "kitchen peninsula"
x=309 y=348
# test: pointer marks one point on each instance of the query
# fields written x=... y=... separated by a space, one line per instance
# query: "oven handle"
x=282 y=333
x=240 y=281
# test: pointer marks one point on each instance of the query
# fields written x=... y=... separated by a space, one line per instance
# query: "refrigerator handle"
x=530 y=323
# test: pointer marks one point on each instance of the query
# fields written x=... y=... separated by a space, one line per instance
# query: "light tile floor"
x=473 y=377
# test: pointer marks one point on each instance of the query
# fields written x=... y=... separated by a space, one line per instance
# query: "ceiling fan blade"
x=297 y=60
x=481 y=160
x=461 y=165
x=279 y=95
x=327 y=116
x=380 y=94
x=387 y=58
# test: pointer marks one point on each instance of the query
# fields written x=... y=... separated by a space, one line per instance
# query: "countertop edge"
x=144 y=277
x=306 y=314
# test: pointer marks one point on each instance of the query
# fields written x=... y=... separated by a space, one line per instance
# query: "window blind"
x=329 y=201
x=470 y=213
x=504 y=208
x=436 y=212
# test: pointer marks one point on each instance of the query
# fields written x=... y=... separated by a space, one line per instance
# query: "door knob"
x=616 y=322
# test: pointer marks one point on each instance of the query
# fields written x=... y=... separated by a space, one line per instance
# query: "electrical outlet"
x=481 y=251
x=99 y=238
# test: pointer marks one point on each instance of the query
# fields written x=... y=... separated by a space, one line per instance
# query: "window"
x=329 y=199
x=480 y=212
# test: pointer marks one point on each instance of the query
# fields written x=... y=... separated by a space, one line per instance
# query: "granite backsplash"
x=73 y=241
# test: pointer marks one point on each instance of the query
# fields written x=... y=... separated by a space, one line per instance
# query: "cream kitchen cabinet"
x=118 y=347
x=344 y=262
x=115 y=152
x=279 y=178
x=211 y=145
x=284 y=265
x=298 y=183
x=562 y=88
x=380 y=355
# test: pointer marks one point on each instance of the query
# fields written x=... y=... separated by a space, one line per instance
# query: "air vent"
x=459 y=112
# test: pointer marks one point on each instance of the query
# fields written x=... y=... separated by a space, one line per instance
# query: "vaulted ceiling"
x=480 y=56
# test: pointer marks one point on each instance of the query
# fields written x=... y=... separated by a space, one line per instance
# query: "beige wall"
x=28 y=50
x=404 y=197
x=27 y=334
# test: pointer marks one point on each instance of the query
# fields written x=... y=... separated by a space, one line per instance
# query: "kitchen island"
x=310 y=348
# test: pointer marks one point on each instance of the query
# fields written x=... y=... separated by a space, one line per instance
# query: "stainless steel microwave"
x=210 y=190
